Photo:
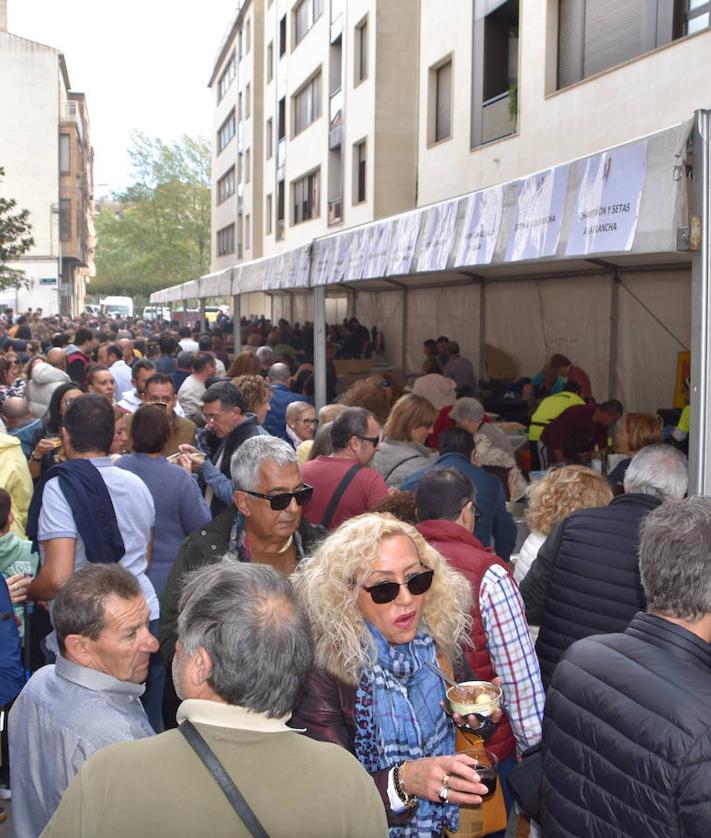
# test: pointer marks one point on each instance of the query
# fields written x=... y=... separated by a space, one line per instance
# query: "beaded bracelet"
x=409 y=800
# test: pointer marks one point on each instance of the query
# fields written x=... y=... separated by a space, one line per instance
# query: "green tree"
x=162 y=235
x=15 y=240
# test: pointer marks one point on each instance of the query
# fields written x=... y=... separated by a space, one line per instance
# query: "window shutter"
x=571 y=29
x=613 y=33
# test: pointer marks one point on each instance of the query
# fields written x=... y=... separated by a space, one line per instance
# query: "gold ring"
x=445 y=781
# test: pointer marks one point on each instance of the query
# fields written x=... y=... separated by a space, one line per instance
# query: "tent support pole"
x=614 y=334
x=482 y=330
x=405 y=337
x=320 y=345
x=700 y=393
x=350 y=304
x=236 y=323
x=202 y=318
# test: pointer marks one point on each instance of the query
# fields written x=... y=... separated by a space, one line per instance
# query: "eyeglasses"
x=283 y=499
x=211 y=417
x=313 y=422
x=385 y=592
x=373 y=440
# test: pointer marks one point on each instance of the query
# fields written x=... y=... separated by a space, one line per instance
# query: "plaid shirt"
x=512 y=655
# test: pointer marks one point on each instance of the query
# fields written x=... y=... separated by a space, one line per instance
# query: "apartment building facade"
x=46 y=152
x=315 y=123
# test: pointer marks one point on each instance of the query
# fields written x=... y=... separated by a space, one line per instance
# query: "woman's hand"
x=42 y=448
x=18 y=585
x=425 y=778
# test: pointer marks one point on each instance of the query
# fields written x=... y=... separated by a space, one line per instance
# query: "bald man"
x=279 y=377
x=57 y=358
x=21 y=424
x=127 y=347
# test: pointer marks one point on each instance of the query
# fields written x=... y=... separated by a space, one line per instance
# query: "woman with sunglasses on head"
x=383 y=605
x=11 y=381
x=264 y=524
x=49 y=450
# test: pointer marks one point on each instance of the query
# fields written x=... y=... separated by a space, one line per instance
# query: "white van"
x=117 y=306
x=154 y=312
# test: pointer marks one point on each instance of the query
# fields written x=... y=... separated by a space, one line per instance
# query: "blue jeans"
x=152 y=698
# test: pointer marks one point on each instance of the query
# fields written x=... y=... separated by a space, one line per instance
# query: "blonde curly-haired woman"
x=382 y=604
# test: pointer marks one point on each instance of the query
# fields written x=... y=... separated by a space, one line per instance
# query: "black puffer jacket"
x=585 y=579
x=627 y=740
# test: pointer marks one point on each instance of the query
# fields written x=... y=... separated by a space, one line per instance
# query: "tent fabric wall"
x=532 y=319
x=454 y=311
x=385 y=310
x=647 y=352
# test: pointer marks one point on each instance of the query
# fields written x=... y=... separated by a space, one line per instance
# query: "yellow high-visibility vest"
x=548 y=410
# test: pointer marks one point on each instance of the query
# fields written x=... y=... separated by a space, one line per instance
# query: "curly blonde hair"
x=328 y=584
x=255 y=390
x=563 y=491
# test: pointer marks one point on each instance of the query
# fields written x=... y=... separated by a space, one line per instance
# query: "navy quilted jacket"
x=585 y=579
x=626 y=734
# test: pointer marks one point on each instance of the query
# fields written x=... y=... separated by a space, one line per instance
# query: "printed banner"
x=535 y=231
x=607 y=209
x=404 y=241
x=377 y=249
x=324 y=250
x=354 y=266
x=438 y=234
x=481 y=227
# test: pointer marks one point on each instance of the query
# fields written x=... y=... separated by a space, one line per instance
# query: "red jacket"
x=465 y=553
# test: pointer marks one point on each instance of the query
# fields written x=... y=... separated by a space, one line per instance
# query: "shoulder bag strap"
x=397 y=465
x=215 y=767
x=338 y=494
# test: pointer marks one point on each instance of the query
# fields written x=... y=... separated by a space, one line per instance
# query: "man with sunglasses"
x=264 y=525
x=501 y=645
x=343 y=484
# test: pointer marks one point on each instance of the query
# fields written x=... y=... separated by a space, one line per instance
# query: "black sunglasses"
x=373 y=440
x=385 y=592
x=283 y=499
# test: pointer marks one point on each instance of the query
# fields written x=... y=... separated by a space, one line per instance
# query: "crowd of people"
x=199 y=565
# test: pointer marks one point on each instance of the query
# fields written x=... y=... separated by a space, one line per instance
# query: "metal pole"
x=482 y=330
x=320 y=345
x=614 y=334
x=699 y=393
x=237 y=323
x=405 y=338
x=203 y=320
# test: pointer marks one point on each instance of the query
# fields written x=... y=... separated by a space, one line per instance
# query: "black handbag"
x=525 y=779
x=223 y=779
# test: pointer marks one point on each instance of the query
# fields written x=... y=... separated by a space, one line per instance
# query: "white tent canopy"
x=579 y=259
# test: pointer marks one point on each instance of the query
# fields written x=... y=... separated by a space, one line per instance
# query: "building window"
x=594 y=35
x=269 y=138
x=226 y=185
x=280 y=210
x=226 y=132
x=247 y=232
x=282 y=36
x=270 y=61
x=227 y=77
x=240 y=99
x=281 y=120
x=247 y=36
x=240 y=45
x=306 y=13
x=268 y=215
x=440 y=102
x=359 y=172
x=360 y=71
x=65 y=219
x=248 y=101
x=239 y=167
x=305 y=193
x=306 y=104
x=226 y=240
x=248 y=165
x=65 y=154
x=697 y=16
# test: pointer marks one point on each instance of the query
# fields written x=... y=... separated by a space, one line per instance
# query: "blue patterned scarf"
x=398 y=717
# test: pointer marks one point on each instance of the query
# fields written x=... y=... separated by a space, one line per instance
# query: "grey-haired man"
x=243 y=654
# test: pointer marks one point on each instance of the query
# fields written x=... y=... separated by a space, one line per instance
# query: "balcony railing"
x=72 y=113
x=335 y=118
x=335 y=210
x=496 y=121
